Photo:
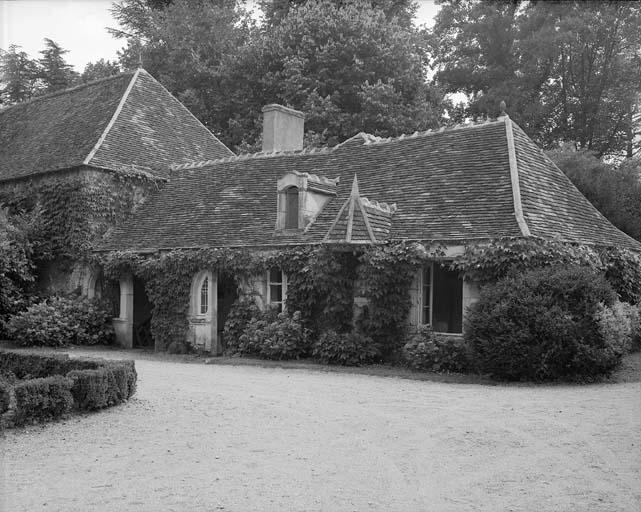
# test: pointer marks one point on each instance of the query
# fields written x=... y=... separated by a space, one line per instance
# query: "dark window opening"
x=447 y=300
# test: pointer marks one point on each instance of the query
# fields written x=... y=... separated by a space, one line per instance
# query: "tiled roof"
x=454 y=186
x=124 y=122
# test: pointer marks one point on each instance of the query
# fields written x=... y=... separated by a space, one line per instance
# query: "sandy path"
x=238 y=438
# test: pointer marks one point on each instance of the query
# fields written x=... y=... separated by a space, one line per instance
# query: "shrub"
x=42 y=399
x=427 y=351
x=542 y=325
x=6 y=383
x=93 y=383
x=58 y=321
x=240 y=314
x=349 y=349
x=617 y=324
x=29 y=366
x=279 y=337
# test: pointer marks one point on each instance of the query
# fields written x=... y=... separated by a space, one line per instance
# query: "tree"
x=569 y=71
x=403 y=10
x=349 y=67
x=54 y=71
x=18 y=76
x=614 y=191
x=100 y=69
x=184 y=46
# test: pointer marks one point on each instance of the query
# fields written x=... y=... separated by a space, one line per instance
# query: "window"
x=291 y=208
x=204 y=297
x=276 y=288
x=441 y=299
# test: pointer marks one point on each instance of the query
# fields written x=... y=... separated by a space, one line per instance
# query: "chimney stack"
x=282 y=128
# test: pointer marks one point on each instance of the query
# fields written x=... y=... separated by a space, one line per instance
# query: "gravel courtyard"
x=244 y=438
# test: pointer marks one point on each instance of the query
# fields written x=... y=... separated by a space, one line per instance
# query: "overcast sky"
x=80 y=27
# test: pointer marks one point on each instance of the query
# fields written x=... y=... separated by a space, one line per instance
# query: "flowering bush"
x=59 y=321
x=425 y=350
x=274 y=337
x=351 y=349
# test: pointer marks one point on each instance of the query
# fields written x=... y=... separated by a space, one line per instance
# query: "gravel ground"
x=244 y=438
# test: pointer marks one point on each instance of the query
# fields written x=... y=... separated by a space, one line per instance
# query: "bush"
x=543 y=325
x=42 y=399
x=5 y=393
x=350 y=349
x=279 y=337
x=58 y=321
x=240 y=314
x=30 y=366
x=618 y=324
x=427 y=351
x=92 y=383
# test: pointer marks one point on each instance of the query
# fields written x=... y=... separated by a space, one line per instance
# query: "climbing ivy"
x=76 y=209
x=323 y=280
x=486 y=263
x=385 y=276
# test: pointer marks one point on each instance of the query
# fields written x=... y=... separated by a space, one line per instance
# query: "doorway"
x=142 y=337
x=227 y=293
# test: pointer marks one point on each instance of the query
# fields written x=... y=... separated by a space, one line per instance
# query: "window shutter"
x=415 y=297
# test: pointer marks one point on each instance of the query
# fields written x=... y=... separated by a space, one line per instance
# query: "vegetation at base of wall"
x=347 y=349
x=544 y=325
x=241 y=313
x=427 y=351
x=274 y=336
x=487 y=263
x=47 y=387
x=60 y=321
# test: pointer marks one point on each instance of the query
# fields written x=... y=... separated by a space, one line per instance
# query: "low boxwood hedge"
x=51 y=386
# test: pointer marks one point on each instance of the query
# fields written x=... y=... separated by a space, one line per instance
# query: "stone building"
x=463 y=185
x=89 y=156
x=121 y=165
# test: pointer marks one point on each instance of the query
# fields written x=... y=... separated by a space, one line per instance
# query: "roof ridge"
x=114 y=117
x=370 y=140
x=66 y=91
x=180 y=105
x=514 y=177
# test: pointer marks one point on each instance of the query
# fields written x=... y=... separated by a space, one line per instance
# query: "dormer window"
x=301 y=197
x=291 y=208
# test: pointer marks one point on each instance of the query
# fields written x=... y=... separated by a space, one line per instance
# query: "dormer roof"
x=128 y=122
x=360 y=220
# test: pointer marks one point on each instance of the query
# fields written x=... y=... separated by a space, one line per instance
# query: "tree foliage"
x=614 y=190
x=569 y=71
x=100 y=69
x=348 y=65
x=18 y=76
x=54 y=71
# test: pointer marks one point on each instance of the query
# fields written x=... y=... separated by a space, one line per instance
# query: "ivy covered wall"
x=76 y=208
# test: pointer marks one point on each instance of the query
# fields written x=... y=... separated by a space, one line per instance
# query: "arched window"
x=291 y=208
x=204 y=296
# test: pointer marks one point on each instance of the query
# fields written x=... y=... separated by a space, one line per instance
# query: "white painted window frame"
x=283 y=284
x=198 y=282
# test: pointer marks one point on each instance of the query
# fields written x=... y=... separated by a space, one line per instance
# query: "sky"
x=80 y=26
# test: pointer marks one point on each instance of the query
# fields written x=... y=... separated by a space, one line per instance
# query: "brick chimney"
x=282 y=128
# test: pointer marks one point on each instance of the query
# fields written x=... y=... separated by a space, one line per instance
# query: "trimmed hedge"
x=55 y=385
x=42 y=399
